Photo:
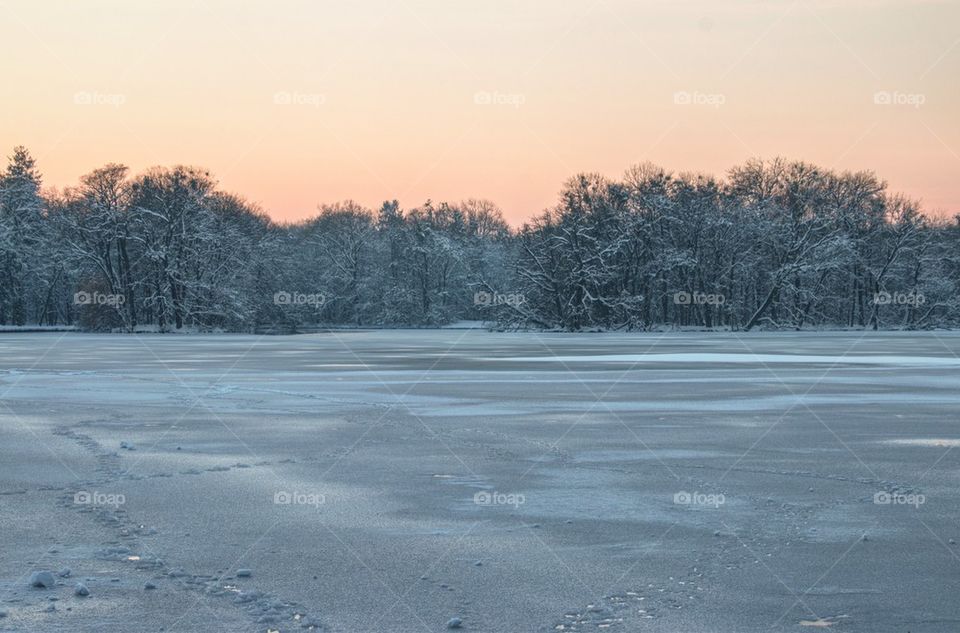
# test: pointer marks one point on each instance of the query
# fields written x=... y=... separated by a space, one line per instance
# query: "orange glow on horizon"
x=294 y=103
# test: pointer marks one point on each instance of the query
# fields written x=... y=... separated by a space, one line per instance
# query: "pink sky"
x=292 y=104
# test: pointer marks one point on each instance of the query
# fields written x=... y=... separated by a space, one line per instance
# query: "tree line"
x=774 y=244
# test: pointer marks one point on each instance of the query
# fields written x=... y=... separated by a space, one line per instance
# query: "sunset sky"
x=293 y=104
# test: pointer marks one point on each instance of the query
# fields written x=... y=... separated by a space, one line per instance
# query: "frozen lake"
x=392 y=480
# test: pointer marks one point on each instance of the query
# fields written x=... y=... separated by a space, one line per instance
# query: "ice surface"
x=748 y=358
x=624 y=482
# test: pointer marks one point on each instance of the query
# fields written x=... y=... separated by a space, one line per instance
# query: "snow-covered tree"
x=776 y=244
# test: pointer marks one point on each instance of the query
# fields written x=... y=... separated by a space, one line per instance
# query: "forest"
x=774 y=244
